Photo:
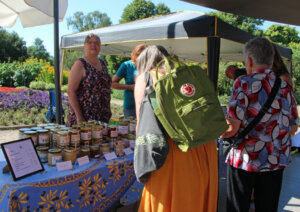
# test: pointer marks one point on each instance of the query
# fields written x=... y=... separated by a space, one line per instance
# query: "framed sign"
x=22 y=158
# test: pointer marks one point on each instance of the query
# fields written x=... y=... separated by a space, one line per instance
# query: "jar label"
x=56 y=159
x=113 y=134
x=84 y=136
x=132 y=127
x=43 y=139
x=132 y=143
x=123 y=130
x=64 y=140
x=75 y=138
x=43 y=157
x=96 y=134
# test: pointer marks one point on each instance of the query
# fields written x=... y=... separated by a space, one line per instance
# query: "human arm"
x=76 y=74
x=234 y=126
x=116 y=85
x=139 y=91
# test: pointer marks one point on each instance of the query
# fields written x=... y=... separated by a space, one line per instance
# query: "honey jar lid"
x=42 y=148
x=104 y=144
x=63 y=132
x=30 y=132
x=69 y=149
x=36 y=128
x=43 y=131
x=54 y=150
x=85 y=149
x=74 y=131
x=95 y=147
x=24 y=129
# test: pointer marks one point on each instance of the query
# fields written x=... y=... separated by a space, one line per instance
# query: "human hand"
x=80 y=119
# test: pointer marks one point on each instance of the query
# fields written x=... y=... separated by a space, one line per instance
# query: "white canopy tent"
x=191 y=36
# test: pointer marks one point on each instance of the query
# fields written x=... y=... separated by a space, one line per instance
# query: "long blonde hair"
x=150 y=57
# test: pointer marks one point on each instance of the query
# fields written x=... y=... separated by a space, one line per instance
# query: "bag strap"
x=149 y=91
x=263 y=110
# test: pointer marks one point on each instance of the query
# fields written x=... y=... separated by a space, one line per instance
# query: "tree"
x=140 y=9
x=12 y=47
x=244 y=23
x=80 y=22
x=38 y=50
x=282 y=34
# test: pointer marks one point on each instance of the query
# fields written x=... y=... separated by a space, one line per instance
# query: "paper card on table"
x=110 y=156
x=66 y=165
x=127 y=151
x=83 y=160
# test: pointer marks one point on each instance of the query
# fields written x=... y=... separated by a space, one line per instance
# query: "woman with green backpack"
x=187 y=181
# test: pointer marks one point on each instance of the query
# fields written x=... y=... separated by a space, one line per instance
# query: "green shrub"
x=50 y=86
x=21 y=87
x=64 y=88
x=7 y=71
x=224 y=99
x=117 y=94
x=37 y=85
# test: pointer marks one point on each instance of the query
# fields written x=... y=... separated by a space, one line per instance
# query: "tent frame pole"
x=56 y=65
x=213 y=59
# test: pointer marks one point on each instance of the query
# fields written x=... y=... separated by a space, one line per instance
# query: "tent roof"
x=272 y=10
x=182 y=33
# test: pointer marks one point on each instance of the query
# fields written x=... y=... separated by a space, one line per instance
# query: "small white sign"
x=66 y=165
x=127 y=151
x=83 y=160
x=110 y=156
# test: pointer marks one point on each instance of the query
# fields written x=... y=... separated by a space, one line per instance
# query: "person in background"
x=89 y=86
x=188 y=181
x=233 y=72
x=128 y=71
x=280 y=69
x=258 y=160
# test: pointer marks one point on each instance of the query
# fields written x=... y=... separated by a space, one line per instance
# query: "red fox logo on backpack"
x=188 y=89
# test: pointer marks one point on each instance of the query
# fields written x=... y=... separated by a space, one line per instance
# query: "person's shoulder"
x=78 y=65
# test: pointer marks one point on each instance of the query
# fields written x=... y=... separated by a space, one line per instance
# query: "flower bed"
x=25 y=106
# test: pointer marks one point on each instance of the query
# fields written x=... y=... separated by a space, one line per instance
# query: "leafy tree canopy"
x=282 y=34
x=140 y=9
x=80 y=22
x=38 y=50
x=244 y=23
x=12 y=47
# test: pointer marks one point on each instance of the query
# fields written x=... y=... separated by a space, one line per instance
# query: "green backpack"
x=185 y=102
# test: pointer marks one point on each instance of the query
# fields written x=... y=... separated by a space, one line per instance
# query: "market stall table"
x=95 y=186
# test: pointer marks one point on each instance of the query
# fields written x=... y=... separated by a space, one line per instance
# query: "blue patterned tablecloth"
x=93 y=187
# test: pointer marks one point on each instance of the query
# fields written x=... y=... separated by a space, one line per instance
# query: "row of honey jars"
x=39 y=136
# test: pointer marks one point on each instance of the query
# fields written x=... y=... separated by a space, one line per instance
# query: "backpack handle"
x=174 y=60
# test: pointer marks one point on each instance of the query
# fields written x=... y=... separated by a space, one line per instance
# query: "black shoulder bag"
x=228 y=143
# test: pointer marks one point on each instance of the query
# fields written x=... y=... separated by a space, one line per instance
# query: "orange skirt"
x=188 y=181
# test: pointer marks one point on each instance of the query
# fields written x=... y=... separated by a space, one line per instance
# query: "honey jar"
x=131 y=140
x=63 y=138
x=96 y=132
x=132 y=126
x=105 y=147
x=33 y=135
x=43 y=153
x=85 y=151
x=43 y=137
x=36 y=128
x=54 y=156
x=123 y=128
x=118 y=147
x=70 y=153
x=76 y=127
x=85 y=133
x=21 y=132
x=74 y=137
x=95 y=151
x=112 y=131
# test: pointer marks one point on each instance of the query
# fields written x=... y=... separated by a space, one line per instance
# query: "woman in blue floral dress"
x=89 y=86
